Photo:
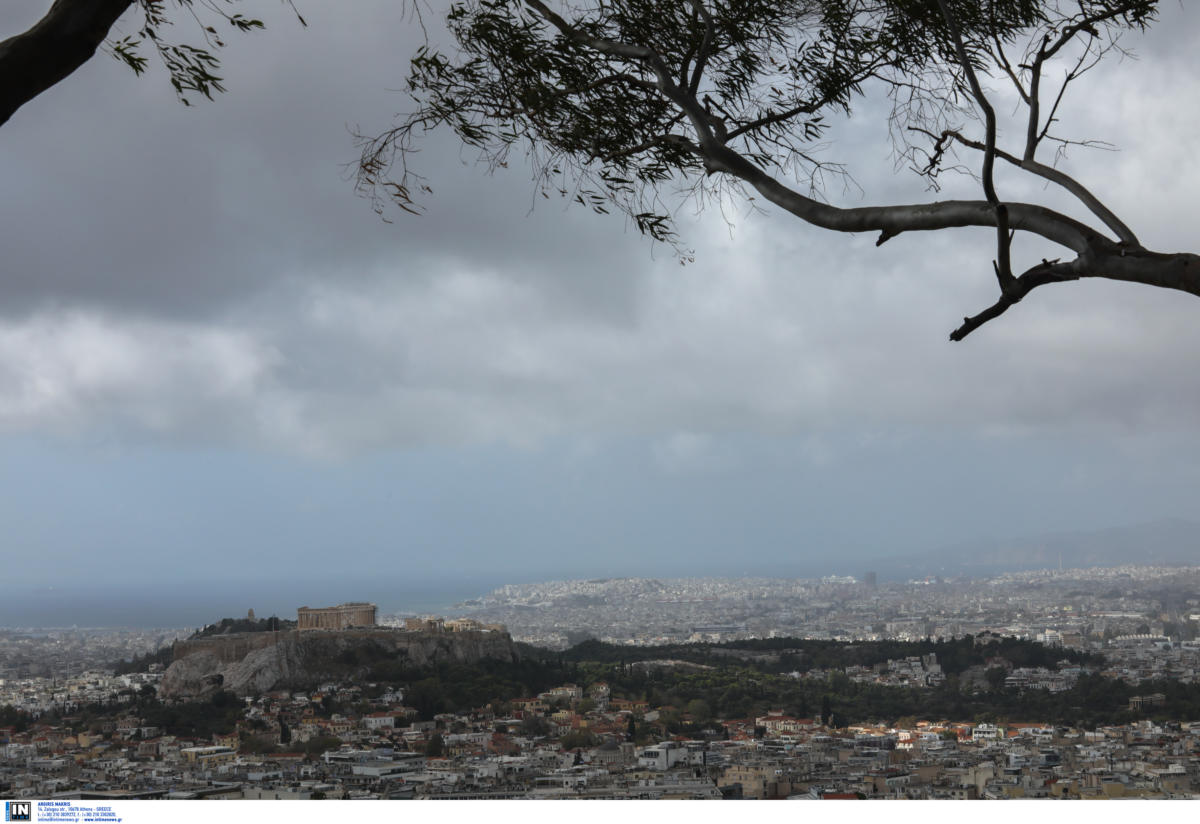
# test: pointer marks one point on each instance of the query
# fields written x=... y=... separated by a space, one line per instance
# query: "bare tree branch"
x=1049 y=47
x=1003 y=265
x=1093 y=204
x=1048 y=271
x=1002 y=60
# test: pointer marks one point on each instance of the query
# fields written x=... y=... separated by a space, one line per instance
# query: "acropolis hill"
x=249 y=663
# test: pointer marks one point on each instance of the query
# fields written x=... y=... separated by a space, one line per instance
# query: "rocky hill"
x=254 y=662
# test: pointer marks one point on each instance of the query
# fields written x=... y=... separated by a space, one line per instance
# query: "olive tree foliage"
x=634 y=104
x=71 y=32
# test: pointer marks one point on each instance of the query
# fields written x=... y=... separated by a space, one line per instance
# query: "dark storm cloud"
x=208 y=271
x=117 y=196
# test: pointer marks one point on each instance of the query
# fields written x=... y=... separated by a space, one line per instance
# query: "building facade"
x=343 y=616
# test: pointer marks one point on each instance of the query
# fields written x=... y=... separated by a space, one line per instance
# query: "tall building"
x=870 y=580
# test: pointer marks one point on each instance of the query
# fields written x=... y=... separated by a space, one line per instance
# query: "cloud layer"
x=208 y=272
x=214 y=357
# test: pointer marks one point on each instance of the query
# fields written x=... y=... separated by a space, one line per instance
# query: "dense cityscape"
x=642 y=688
x=555 y=400
x=1077 y=606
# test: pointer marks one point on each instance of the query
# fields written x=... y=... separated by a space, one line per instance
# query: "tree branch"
x=1048 y=271
x=651 y=142
x=1062 y=90
x=1003 y=238
x=693 y=85
x=58 y=44
x=892 y=220
x=705 y=46
x=701 y=121
x=1047 y=50
x=888 y=220
x=1004 y=63
x=810 y=107
x=1179 y=271
x=1093 y=204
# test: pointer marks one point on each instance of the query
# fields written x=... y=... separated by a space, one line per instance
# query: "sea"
x=166 y=603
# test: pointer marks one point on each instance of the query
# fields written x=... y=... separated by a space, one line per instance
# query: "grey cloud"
x=119 y=197
x=475 y=357
x=207 y=273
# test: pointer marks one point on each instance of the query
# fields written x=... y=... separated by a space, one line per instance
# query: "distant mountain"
x=1166 y=543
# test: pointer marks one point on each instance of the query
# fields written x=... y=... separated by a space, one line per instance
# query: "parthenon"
x=343 y=616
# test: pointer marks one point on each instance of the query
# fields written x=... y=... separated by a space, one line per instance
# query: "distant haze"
x=185 y=604
x=1163 y=543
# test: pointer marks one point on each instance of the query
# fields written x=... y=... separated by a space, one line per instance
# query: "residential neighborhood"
x=286 y=749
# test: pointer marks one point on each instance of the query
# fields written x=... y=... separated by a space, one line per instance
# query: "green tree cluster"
x=230 y=625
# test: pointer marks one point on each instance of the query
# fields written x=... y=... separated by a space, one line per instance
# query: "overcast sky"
x=214 y=357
